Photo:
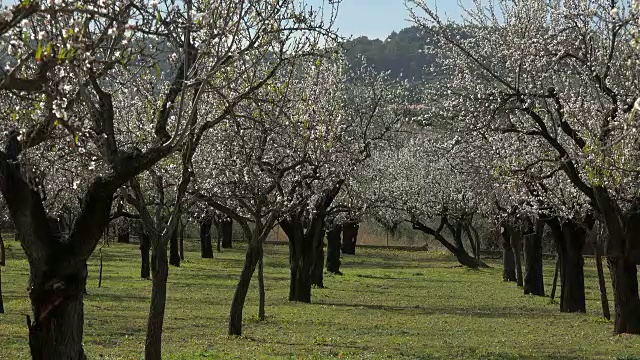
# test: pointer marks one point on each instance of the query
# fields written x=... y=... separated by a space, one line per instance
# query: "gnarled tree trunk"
x=305 y=246
x=570 y=238
x=604 y=300
x=508 y=259
x=300 y=258
x=349 y=237
x=174 y=248
x=3 y=258
x=57 y=327
x=623 y=253
x=227 y=234
x=153 y=343
x=533 y=277
x=261 y=290
x=56 y=291
x=554 y=285
x=624 y=279
x=333 y=249
x=251 y=260
x=181 y=235
x=516 y=245
x=317 y=268
x=145 y=247
x=460 y=253
x=206 y=249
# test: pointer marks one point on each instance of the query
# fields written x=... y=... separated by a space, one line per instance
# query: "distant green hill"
x=405 y=54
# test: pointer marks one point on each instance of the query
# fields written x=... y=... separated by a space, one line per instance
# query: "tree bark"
x=305 y=246
x=206 y=249
x=3 y=252
x=3 y=259
x=235 y=315
x=474 y=239
x=623 y=252
x=261 y=291
x=227 y=234
x=174 y=248
x=153 y=342
x=181 y=235
x=1 y=302
x=624 y=279
x=516 y=245
x=300 y=258
x=145 y=247
x=508 y=259
x=554 y=285
x=317 y=268
x=218 y=225
x=100 y=274
x=333 y=249
x=570 y=238
x=57 y=327
x=533 y=278
x=601 y=283
x=349 y=237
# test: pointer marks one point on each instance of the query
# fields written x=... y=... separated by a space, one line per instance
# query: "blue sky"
x=378 y=18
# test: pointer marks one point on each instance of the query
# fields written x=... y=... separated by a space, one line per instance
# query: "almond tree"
x=425 y=176
x=563 y=73
x=365 y=109
x=57 y=95
x=252 y=164
x=66 y=86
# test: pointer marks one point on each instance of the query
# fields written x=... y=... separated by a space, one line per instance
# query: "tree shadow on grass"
x=508 y=356
x=306 y=343
x=485 y=312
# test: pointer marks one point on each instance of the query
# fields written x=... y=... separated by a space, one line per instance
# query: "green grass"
x=388 y=305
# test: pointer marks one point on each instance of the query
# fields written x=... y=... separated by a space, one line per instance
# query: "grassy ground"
x=388 y=305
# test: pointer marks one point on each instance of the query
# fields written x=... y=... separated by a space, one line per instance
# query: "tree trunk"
x=3 y=252
x=174 y=248
x=555 y=278
x=300 y=258
x=474 y=238
x=57 y=327
x=508 y=259
x=333 y=249
x=349 y=237
x=533 y=278
x=3 y=259
x=100 y=274
x=145 y=247
x=624 y=279
x=459 y=252
x=227 y=234
x=153 y=343
x=261 y=291
x=317 y=268
x=181 y=234
x=601 y=283
x=516 y=244
x=206 y=249
x=570 y=241
x=251 y=260
x=300 y=283
x=218 y=236
x=623 y=252
x=1 y=302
